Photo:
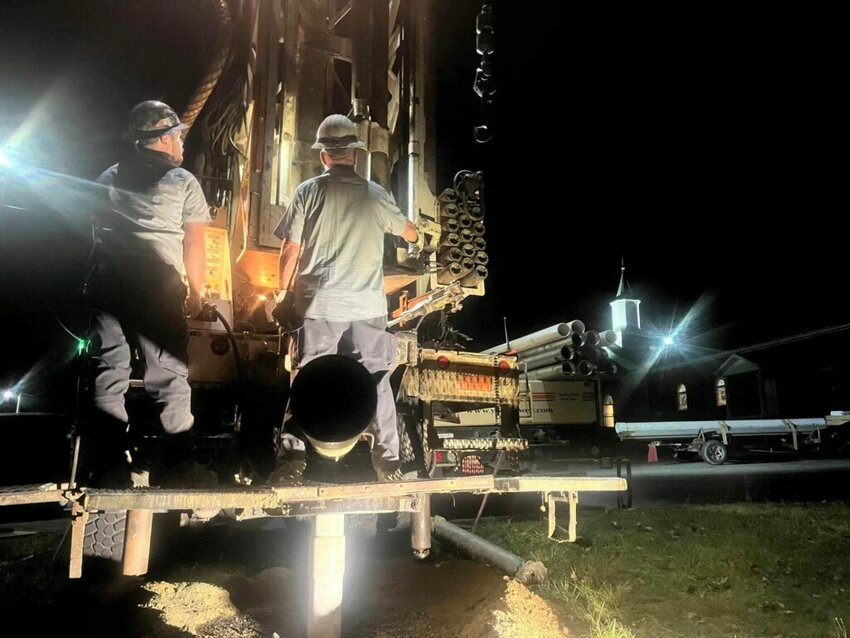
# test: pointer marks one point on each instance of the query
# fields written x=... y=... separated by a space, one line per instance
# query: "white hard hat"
x=337 y=131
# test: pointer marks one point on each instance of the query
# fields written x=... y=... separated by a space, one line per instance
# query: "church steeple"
x=621 y=289
x=625 y=309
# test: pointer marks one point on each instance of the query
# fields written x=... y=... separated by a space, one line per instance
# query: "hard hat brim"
x=319 y=146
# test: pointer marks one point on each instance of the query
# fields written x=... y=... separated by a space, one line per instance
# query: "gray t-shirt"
x=150 y=223
x=340 y=220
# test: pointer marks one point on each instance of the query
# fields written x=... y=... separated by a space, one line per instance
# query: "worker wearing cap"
x=333 y=231
x=150 y=224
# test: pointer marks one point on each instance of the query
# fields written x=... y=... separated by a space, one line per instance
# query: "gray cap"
x=152 y=119
x=337 y=131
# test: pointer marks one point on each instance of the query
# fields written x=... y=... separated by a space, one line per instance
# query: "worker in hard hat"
x=333 y=248
x=149 y=226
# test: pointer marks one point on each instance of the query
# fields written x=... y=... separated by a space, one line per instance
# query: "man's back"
x=146 y=218
x=340 y=220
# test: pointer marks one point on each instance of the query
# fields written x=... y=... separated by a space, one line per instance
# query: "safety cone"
x=652 y=453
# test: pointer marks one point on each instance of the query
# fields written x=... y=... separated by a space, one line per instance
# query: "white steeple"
x=625 y=309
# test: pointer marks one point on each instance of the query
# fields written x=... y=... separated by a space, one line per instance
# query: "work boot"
x=288 y=472
x=290 y=462
x=389 y=471
x=180 y=467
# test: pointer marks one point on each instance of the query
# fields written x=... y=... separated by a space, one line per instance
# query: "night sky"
x=693 y=139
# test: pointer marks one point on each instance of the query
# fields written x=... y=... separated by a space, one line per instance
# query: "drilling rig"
x=281 y=66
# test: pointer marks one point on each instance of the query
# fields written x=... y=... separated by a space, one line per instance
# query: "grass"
x=742 y=571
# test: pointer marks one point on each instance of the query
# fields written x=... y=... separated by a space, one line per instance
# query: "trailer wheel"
x=714 y=452
x=104 y=536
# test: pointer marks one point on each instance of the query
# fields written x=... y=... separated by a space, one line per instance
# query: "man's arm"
x=194 y=257
x=289 y=251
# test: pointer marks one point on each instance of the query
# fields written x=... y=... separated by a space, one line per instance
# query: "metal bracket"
x=571 y=498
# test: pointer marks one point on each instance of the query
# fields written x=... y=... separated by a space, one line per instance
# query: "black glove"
x=284 y=312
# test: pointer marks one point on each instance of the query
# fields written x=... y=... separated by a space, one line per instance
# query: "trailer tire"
x=104 y=535
x=714 y=452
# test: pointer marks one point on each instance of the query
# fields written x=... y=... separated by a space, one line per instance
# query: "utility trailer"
x=712 y=441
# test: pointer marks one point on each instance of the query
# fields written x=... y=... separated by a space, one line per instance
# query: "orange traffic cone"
x=652 y=453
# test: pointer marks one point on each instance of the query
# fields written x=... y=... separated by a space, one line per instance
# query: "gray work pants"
x=140 y=301
x=369 y=343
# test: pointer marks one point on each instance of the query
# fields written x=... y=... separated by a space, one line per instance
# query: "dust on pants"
x=368 y=343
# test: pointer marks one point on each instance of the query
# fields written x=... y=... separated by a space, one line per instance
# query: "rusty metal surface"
x=78 y=530
x=463 y=376
x=304 y=500
x=484 y=444
x=137 y=542
x=31 y=494
x=358 y=497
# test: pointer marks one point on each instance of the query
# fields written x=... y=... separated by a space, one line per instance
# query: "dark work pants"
x=139 y=300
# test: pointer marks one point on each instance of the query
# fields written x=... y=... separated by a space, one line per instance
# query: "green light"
x=83 y=345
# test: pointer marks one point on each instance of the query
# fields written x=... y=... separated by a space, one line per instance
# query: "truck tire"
x=104 y=535
x=714 y=452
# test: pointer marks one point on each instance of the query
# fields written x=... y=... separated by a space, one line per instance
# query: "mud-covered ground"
x=249 y=580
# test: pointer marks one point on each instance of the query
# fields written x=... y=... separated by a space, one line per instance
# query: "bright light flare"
x=5 y=162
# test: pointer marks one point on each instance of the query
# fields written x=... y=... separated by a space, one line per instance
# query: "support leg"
x=420 y=529
x=78 y=531
x=327 y=570
x=137 y=542
x=572 y=498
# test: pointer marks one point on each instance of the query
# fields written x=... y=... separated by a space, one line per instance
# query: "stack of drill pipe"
x=478 y=274
x=462 y=253
x=607 y=338
x=548 y=358
x=450 y=254
x=601 y=338
x=449 y=240
x=556 y=371
x=585 y=367
x=537 y=341
x=594 y=354
x=450 y=272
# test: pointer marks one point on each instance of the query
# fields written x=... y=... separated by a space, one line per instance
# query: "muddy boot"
x=290 y=462
x=180 y=469
x=103 y=457
x=389 y=471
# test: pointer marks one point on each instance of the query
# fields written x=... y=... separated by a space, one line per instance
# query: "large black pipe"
x=334 y=399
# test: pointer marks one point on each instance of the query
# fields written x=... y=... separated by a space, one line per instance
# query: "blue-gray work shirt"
x=150 y=223
x=340 y=219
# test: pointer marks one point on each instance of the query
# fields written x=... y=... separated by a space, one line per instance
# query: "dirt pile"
x=200 y=609
x=402 y=599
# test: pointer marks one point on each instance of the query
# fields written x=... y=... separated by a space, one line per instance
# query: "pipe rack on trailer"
x=328 y=503
x=710 y=439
